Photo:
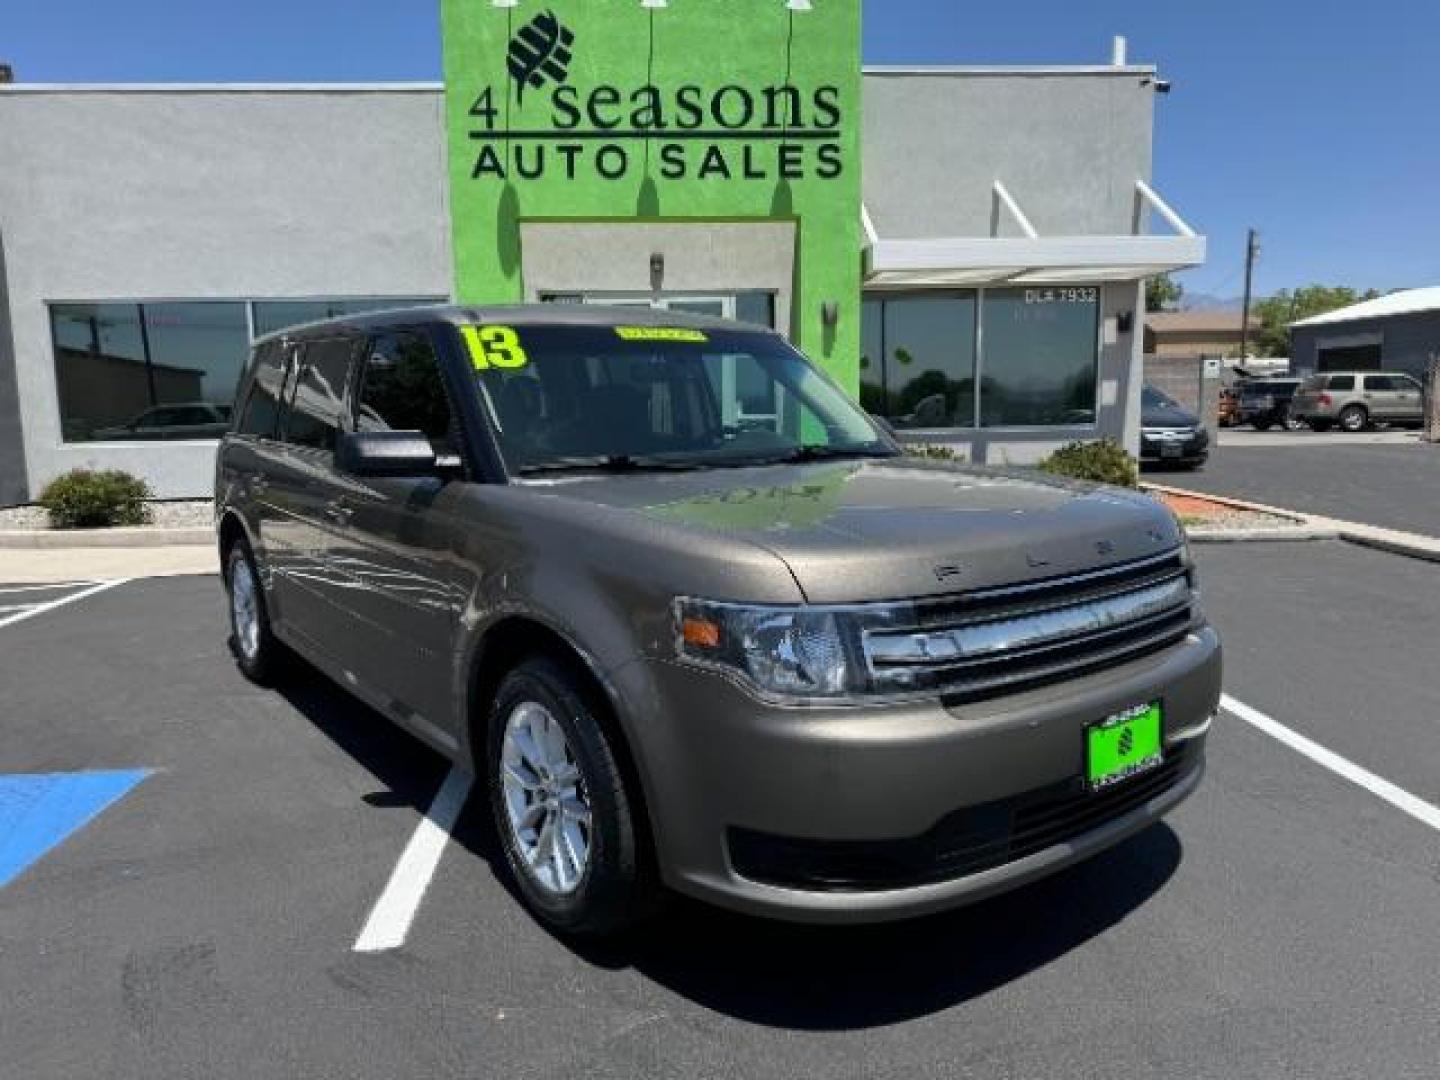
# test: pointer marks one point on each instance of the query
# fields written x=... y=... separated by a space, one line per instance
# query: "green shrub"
x=1105 y=462
x=86 y=499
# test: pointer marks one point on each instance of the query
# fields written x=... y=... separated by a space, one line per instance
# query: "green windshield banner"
x=700 y=110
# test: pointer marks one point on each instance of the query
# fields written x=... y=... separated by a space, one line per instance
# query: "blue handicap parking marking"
x=38 y=812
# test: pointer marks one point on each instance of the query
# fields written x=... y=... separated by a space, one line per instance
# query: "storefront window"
x=1037 y=362
x=918 y=366
x=197 y=352
x=1040 y=355
x=168 y=370
x=152 y=371
x=100 y=368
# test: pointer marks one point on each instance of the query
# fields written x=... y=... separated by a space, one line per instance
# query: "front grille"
x=1000 y=640
x=966 y=842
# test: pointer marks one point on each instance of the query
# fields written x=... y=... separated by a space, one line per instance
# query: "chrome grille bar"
x=983 y=642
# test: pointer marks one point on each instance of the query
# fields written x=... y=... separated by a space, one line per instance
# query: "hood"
x=1167 y=416
x=897 y=528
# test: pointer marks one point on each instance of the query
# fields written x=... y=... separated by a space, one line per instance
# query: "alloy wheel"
x=245 y=607
x=547 y=807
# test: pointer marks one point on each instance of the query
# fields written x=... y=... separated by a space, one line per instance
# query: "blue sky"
x=1318 y=124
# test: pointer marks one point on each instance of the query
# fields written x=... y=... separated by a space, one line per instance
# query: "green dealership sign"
x=701 y=110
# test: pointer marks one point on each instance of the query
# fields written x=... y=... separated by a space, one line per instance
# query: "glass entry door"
x=749 y=399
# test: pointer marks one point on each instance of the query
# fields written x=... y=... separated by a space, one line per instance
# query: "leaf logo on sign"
x=540 y=53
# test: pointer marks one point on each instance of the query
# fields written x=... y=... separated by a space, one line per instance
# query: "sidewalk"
x=42 y=566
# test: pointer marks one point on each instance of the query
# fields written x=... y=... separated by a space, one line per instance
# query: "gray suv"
x=1357 y=399
x=695 y=620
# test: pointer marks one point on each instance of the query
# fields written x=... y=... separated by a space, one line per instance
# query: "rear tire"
x=1260 y=425
x=566 y=819
x=257 y=652
x=1354 y=418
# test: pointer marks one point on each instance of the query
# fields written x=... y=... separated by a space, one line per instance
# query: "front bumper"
x=1189 y=449
x=721 y=769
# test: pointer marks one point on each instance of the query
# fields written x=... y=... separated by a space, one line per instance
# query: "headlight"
x=806 y=652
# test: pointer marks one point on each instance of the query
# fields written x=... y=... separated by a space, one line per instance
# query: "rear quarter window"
x=1340 y=382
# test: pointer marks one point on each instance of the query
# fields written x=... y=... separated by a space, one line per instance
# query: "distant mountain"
x=1206 y=302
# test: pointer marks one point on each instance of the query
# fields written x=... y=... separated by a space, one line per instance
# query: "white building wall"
x=207 y=193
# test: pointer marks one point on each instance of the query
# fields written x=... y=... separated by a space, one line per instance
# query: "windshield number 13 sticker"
x=494 y=347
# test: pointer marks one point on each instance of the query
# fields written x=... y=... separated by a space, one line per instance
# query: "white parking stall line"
x=390 y=919
x=51 y=605
x=1377 y=785
x=52 y=587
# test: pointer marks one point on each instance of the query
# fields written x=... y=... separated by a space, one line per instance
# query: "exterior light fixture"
x=657 y=271
x=653 y=3
x=504 y=3
x=799 y=5
x=830 y=312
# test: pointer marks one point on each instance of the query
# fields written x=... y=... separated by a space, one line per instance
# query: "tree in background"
x=1162 y=293
x=1277 y=312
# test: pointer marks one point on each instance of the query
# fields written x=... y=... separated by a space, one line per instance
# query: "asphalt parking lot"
x=202 y=920
x=1388 y=479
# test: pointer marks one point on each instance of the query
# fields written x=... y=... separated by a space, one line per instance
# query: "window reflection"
x=918 y=360
x=1038 y=357
x=1041 y=349
x=153 y=371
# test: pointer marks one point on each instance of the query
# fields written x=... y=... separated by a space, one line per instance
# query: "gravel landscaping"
x=1195 y=513
x=176 y=514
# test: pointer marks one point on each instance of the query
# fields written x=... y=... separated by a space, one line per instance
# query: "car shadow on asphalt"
x=812 y=978
x=833 y=978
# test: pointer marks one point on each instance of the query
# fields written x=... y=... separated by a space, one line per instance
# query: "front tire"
x=567 y=821
x=257 y=652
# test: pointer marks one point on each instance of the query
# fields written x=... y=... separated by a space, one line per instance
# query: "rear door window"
x=262 y=409
x=317 y=402
x=1380 y=383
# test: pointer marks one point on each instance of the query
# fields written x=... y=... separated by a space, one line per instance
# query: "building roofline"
x=435 y=87
x=1010 y=69
x=224 y=88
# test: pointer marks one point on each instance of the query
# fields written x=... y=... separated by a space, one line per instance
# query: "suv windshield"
x=620 y=398
x=1150 y=398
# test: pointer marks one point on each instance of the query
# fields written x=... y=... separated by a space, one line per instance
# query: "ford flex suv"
x=697 y=623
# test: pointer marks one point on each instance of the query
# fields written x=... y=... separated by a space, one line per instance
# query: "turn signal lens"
x=700 y=633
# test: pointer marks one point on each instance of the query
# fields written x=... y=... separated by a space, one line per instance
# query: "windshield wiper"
x=813 y=452
x=608 y=463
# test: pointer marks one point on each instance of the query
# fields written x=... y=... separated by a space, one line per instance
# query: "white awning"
x=1031 y=258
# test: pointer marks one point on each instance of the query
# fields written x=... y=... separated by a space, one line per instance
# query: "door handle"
x=337 y=512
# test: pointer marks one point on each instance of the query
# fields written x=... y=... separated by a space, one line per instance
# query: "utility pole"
x=1252 y=249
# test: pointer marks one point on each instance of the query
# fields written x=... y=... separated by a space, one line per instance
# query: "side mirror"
x=386 y=453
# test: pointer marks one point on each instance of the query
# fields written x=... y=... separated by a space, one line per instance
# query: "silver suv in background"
x=1355 y=400
x=773 y=663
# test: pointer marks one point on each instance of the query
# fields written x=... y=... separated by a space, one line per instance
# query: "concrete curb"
x=1313 y=527
x=1252 y=536
x=1306 y=527
x=138 y=537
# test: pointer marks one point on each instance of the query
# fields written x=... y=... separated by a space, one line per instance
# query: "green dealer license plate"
x=1123 y=745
